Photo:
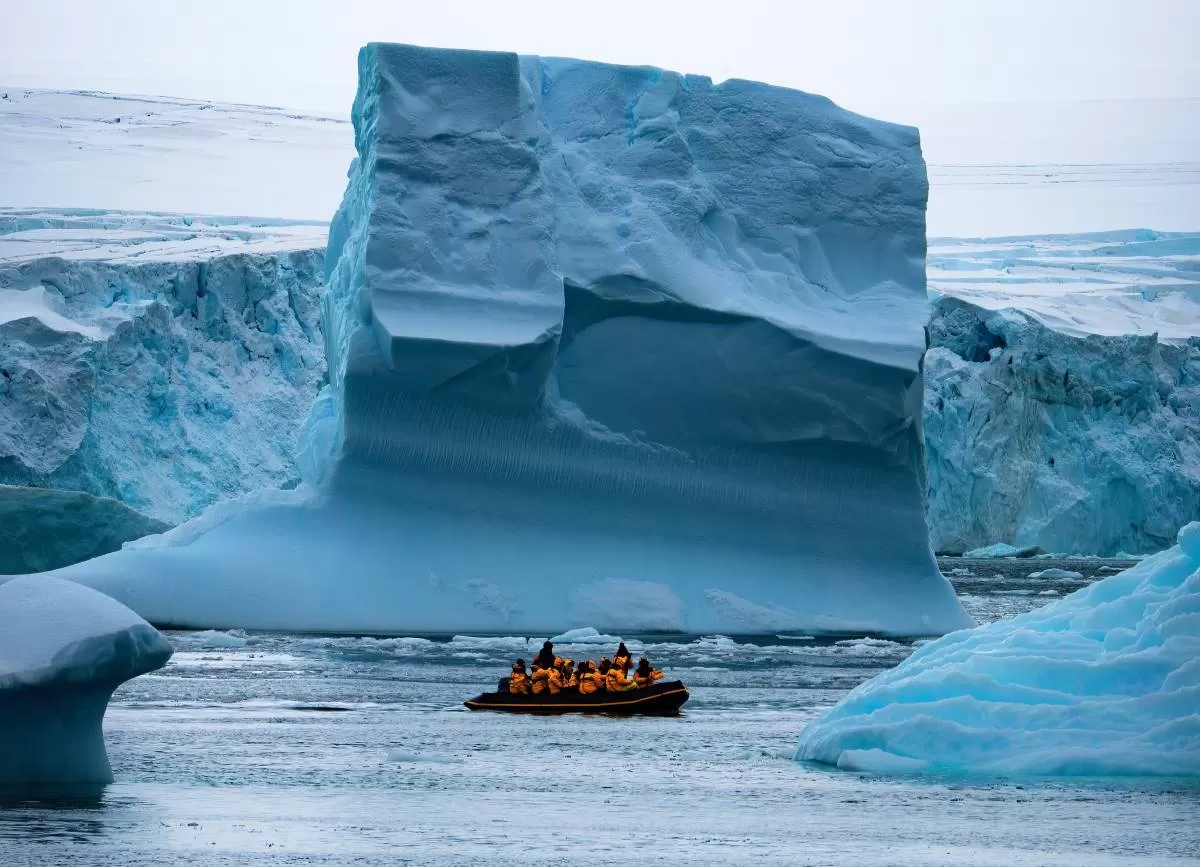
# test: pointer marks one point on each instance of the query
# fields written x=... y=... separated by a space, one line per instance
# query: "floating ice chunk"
x=64 y=648
x=45 y=529
x=586 y=635
x=1002 y=549
x=1062 y=574
x=215 y=638
x=1104 y=681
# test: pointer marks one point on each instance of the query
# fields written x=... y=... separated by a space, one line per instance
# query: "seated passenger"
x=540 y=679
x=555 y=680
x=570 y=676
x=590 y=680
x=645 y=675
x=615 y=679
x=622 y=655
x=518 y=681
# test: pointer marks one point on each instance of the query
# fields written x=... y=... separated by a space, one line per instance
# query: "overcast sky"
x=862 y=53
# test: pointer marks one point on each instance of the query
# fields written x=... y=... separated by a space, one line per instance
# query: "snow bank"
x=46 y=529
x=64 y=648
x=589 y=365
x=1104 y=681
x=163 y=361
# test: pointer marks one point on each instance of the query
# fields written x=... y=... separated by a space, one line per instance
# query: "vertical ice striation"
x=599 y=333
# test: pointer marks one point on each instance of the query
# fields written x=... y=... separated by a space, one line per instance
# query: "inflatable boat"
x=660 y=699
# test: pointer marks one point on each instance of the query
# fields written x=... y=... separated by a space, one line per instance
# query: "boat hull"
x=661 y=699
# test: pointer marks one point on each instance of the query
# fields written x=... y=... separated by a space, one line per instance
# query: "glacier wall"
x=166 y=362
x=1071 y=443
x=597 y=335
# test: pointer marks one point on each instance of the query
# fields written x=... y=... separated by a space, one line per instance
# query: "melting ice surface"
x=1106 y=681
x=608 y=346
x=63 y=650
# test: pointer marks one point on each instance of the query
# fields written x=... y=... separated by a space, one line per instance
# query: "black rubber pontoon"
x=660 y=699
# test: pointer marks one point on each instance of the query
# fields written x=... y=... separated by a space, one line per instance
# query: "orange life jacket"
x=541 y=680
x=518 y=683
x=591 y=682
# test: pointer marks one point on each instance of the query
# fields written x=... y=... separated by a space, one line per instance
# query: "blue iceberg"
x=607 y=346
x=1103 y=682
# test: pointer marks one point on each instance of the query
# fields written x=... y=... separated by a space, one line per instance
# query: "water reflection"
x=46 y=814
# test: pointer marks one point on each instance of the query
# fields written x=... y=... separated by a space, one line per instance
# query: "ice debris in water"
x=215 y=638
x=999 y=550
x=64 y=648
x=1105 y=681
x=587 y=365
x=1065 y=574
x=586 y=635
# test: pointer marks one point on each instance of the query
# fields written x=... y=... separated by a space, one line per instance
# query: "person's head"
x=558 y=662
x=605 y=665
x=567 y=665
x=644 y=665
x=622 y=650
x=535 y=667
x=548 y=646
x=519 y=665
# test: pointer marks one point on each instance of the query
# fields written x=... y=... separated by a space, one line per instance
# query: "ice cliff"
x=1062 y=401
x=63 y=650
x=166 y=362
x=1105 y=681
x=601 y=339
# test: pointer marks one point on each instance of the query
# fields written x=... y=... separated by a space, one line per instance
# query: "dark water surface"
x=312 y=750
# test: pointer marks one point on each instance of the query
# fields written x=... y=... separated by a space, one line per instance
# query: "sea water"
x=285 y=749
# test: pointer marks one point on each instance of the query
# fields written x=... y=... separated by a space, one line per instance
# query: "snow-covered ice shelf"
x=82 y=149
x=1105 y=681
x=1107 y=283
x=64 y=648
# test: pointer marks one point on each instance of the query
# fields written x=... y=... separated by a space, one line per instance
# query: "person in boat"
x=569 y=675
x=590 y=680
x=616 y=679
x=539 y=680
x=545 y=657
x=645 y=675
x=555 y=681
x=518 y=681
x=622 y=656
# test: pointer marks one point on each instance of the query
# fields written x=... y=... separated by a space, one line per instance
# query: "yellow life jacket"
x=541 y=679
x=617 y=681
x=591 y=682
x=554 y=681
x=518 y=683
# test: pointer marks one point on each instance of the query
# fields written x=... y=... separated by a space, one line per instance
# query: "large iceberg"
x=609 y=346
x=1105 y=681
x=63 y=650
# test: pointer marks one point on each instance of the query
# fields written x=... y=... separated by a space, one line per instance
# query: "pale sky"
x=863 y=53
